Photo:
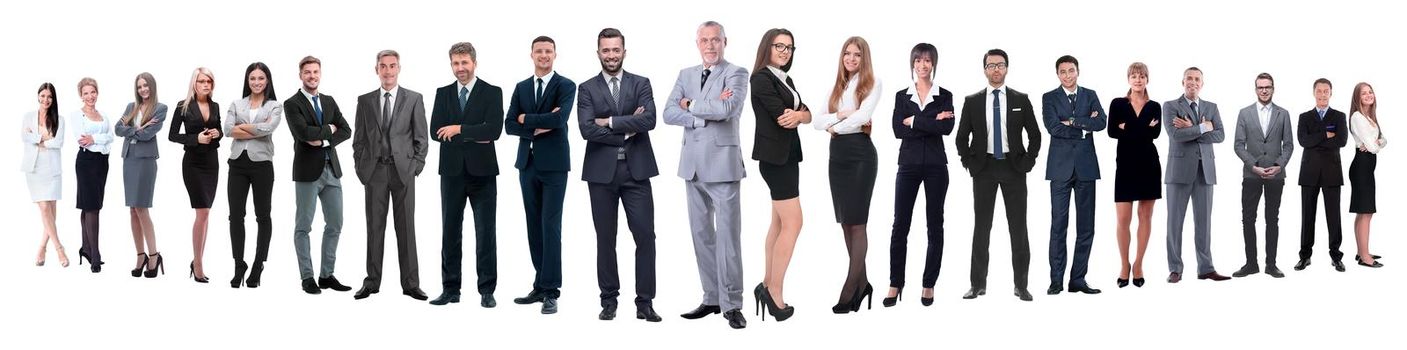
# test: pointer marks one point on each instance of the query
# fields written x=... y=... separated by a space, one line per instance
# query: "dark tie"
x=615 y=90
x=386 y=114
x=997 y=151
x=1072 y=103
x=704 y=80
x=538 y=98
x=317 y=109
x=1196 y=117
x=463 y=98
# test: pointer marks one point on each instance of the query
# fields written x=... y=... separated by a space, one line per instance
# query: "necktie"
x=538 y=98
x=463 y=98
x=615 y=90
x=1072 y=102
x=1196 y=117
x=386 y=113
x=704 y=80
x=317 y=109
x=1321 y=115
x=997 y=151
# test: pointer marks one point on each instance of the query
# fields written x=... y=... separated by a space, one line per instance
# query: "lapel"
x=459 y=108
x=614 y=102
x=712 y=78
x=546 y=93
x=785 y=87
x=304 y=105
x=1255 y=125
x=1010 y=120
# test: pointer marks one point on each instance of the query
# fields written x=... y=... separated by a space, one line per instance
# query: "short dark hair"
x=546 y=39
x=924 y=50
x=607 y=34
x=995 y=52
x=1266 y=76
x=1324 y=81
x=307 y=61
x=1067 y=59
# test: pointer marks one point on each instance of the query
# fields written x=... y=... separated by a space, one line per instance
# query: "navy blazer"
x=472 y=151
x=602 y=143
x=922 y=144
x=550 y=151
x=1072 y=146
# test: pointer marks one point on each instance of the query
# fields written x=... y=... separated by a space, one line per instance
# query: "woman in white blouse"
x=853 y=161
x=1363 y=124
x=94 y=136
x=42 y=133
x=251 y=121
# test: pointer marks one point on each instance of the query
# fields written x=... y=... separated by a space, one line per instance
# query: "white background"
x=1232 y=41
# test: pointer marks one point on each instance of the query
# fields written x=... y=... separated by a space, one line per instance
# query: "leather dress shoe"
x=310 y=287
x=445 y=299
x=487 y=301
x=532 y=297
x=1023 y=294
x=416 y=293
x=1246 y=270
x=331 y=283
x=1338 y=266
x=1084 y=289
x=1054 y=289
x=701 y=311
x=608 y=313
x=1175 y=277
x=549 y=306
x=1301 y=265
x=366 y=291
x=735 y=319
x=1212 y=276
x=974 y=293
x=648 y=314
x=1274 y=271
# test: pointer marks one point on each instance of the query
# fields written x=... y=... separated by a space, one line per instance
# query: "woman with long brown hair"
x=43 y=136
x=777 y=149
x=1138 y=175
x=139 y=125
x=1363 y=124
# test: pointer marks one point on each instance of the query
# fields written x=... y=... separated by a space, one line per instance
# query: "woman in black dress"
x=1133 y=120
x=777 y=148
x=196 y=124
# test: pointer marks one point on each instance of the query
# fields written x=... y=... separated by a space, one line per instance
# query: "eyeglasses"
x=995 y=66
x=780 y=47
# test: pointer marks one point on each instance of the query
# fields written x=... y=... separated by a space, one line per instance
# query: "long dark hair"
x=51 y=115
x=764 y=49
x=268 y=87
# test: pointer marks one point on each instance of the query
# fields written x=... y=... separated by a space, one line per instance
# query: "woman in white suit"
x=42 y=134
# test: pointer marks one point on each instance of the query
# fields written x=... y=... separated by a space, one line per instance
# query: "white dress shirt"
x=863 y=109
x=1366 y=134
x=1006 y=111
x=317 y=105
x=781 y=75
x=933 y=92
x=381 y=99
x=1263 y=112
x=101 y=131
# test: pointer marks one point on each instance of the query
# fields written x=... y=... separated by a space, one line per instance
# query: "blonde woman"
x=95 y=137
x=139 y=125
x=196 y=125
x=42 y=135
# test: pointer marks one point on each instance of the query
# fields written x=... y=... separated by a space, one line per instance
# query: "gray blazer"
x=1264 y=148
x=711 y=151
x=1188 y=147
x=409 y=135
x=140 y=143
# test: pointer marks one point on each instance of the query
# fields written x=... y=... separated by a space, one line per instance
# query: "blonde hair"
x=190 y=94
x=1137 y=68
x=842 y=78
x=87 y=81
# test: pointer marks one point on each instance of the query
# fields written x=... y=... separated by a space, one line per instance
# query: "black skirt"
x=1362 y=198
x=92 y=179
x=200 y=169
x=853 y=166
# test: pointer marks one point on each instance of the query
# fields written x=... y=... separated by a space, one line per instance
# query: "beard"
x=611 y=68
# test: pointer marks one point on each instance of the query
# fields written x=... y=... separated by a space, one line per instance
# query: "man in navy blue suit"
x=1072 y=114
x=537 y=115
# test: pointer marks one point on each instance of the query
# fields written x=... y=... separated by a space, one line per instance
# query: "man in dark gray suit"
x=1194 y=126
x=389 y=150
x=1264 y=143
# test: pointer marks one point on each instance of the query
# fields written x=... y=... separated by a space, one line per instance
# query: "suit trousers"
x=637 y=198
x=1308 y=209
x=328 y=190
x=480 y=193
x=934 y=179
x=1060 y=223
x=388 y=192
x=1251 y=190
x=1000 y=174
x=715 y=213
x=245 y=175
x=1200 y=194
x=543 y=193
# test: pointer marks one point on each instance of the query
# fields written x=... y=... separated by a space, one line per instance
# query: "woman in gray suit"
x=250 y=122
x=139 y=125
x=43 y=138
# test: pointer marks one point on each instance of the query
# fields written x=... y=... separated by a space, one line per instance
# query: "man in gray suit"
x=389 y=151
x=706 y=101
x=1264 y=143
x=1194 y=125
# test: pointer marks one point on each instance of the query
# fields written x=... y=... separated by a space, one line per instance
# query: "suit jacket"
x=550 y=151
x=472 y=152
x=770 y=97
x=1188 y=147
x=140 y=143
x=711 y=150
x=1072 y=146
x=1320 y=165
x=972 y=131
x=408 y=135
x=30 y=134
x=603 y=143
x=187 y=124
x=1264 y=148
x=303 y=124
x=922 y=144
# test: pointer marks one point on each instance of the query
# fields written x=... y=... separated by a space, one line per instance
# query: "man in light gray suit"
x=389 y=150
x=1264 y=143
x=1194 y=125
x=706 y=101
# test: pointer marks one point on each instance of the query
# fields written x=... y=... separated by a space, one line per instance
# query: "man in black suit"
x=466 y=123
x=317 y=126
x=616 y=111
x=537 y=115
x=998 y=114
x=1322 y=132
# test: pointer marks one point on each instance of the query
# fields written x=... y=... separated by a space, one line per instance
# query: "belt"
x=386 y=160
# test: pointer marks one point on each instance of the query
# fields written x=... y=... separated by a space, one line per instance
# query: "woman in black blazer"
x=777 y=148
x=1133 y=119
x=196 y=124
x=922 y=115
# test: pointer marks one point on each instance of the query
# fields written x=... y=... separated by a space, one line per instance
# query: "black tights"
x=856 y=243
x=89 y=220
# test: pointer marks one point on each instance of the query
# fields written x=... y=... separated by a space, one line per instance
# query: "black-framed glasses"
x=991 y=66
x=780 y=47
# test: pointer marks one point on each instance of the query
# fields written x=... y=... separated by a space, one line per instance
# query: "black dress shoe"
x=1084 y=289
x=1212 y=276
x=1175 y=277
x=1274 y=271
x=366 y=291
x=700 y=312
x=532 y=297
x=549 y=306
x=1023 y=294
x=1246 y=270
x=648 y=314
x=1302 y=264
x=974 y=293
x=310 y=287
x=487 y=301
x=1338 y=266
x=445 y=299
x=416 y=293
x=735 y=319
x=608 y=313
x=331 y=283
x=1055 y=289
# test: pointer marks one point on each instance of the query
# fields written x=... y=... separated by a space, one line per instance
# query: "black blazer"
x=303 y=123
x=463 y=153
x=550 y=151
x=187 y=124
x=922 y=144
x=1320 y=165
x=602 y=143
x=1018 y=115
x=771 y=142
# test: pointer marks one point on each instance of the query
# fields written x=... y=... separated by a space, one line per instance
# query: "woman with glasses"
x=196 y=125
x=777 y=148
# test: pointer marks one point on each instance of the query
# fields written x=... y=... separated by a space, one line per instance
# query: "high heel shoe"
x=137 y=272
x=1121 y=282
x=925 y=300
x=160 y=264
x=240 y=267
x=868 y=296
x=198 y=279
x=1138 y=282
x=39 y=260
x=891 y=301
x=63 y=257
x=779 y=313
x=254 y=273
x=95 y=266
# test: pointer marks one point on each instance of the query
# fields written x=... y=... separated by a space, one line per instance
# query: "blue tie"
x=317 y=109
x=1321 y=115
x=463 y=98
x=997 y=151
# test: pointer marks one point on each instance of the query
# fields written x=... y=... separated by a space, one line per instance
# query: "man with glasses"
x=1264 y=143
x=1193 y=126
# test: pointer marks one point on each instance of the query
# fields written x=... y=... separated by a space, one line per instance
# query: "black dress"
x=200 y=167
x=1138 y=173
